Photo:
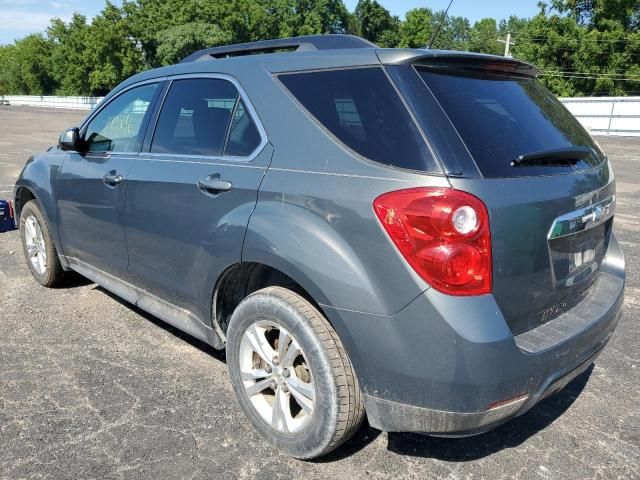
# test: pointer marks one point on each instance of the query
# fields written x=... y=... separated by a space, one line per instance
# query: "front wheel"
x=291 y=374
x=38 y=246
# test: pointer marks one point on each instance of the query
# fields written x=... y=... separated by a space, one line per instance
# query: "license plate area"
x=576 y=259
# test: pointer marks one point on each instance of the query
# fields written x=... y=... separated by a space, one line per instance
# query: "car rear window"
x=500 y=117
x=361 y=108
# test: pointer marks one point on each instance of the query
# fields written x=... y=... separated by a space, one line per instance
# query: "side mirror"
x=70 y=140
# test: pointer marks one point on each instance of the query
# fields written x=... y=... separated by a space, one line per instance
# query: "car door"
x=92 y=184
x=190 y=194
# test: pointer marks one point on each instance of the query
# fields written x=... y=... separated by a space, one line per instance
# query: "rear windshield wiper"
x=553 y=156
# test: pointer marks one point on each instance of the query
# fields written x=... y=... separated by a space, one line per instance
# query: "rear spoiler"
x=456 y=60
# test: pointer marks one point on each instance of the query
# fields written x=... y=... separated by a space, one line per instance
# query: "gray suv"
x=421 y=236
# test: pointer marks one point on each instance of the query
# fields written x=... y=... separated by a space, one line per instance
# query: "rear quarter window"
x=361 y=108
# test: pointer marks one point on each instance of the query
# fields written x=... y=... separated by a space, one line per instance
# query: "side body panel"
x=90 y=212
x=40 y=177
x=181 y=239
x=321 y=231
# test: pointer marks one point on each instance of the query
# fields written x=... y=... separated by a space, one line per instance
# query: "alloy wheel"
x=36 y=247
x=277 y=377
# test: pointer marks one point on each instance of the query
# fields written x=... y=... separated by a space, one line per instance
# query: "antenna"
x=437 y=30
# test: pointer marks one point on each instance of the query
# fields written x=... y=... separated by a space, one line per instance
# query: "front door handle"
x=214 y=184
x=112 y=178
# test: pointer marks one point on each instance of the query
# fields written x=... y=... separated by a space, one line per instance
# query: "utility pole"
x=507 y=44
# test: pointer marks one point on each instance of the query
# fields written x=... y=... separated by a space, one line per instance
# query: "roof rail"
x=308 y=42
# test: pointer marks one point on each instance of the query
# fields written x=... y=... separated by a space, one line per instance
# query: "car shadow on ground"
x=200 y=345
x=73 y=280
x=509 y=435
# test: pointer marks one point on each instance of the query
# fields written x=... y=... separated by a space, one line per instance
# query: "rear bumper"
x=391 y=416
x=450 y=366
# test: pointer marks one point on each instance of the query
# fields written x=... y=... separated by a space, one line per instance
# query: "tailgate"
x=549 y=236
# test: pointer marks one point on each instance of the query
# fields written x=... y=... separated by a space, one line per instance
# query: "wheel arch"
x=26 y=191
x=243 y=278
x=23 y=195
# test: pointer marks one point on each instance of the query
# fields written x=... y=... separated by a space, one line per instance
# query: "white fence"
x=607 y=115
x=75 y=103
x=600 y=115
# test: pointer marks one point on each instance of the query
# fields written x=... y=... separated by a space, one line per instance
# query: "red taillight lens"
x=444 y=235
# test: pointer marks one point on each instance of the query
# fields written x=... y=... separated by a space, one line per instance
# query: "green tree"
x=251 y=20
x=581 y=51
x=237 y=20
x=416 y=31
x=513 y=24
x=111 y=51
x=147 y=19
x=596 y=13
x=177 y=42
x=583 y=47
x=32 y=65
x=484 y=37
x=308 y=17
x=455 y=34
x=375 y=23
x=417 y=28
x=70 y=67
x=8 y=70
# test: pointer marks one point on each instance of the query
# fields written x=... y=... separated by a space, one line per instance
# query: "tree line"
x=583 y=47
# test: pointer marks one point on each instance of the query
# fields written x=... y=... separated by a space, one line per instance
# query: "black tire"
x=339 y=410
x=53 y=274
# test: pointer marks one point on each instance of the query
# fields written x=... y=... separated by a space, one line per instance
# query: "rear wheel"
x=38 y=246
x=291 y=374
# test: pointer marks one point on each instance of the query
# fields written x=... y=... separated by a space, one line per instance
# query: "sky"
x=21 y=17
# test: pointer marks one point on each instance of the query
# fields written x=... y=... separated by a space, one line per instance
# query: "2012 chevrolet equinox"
x=424 y=236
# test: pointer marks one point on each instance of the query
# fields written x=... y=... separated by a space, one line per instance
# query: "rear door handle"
x=112 y=178
x=214 y=184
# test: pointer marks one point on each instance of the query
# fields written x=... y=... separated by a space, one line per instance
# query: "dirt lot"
x=91 y=387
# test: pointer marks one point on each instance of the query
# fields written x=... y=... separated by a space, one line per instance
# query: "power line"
x=589 y=77
x=618 y=72
x=595 y=74
x=576 y=49
x=582 y=40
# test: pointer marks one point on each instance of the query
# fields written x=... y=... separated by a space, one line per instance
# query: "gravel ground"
x=91 y=387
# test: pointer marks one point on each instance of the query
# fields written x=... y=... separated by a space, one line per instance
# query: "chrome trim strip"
x=240 y=162
x=583 y=219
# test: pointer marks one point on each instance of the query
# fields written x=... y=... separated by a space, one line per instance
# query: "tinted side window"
x=243 y=134
x=116 y=128
x=195 y=117
x=362 y=109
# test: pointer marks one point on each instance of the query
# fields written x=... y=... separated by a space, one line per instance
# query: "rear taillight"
x=444 y=235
